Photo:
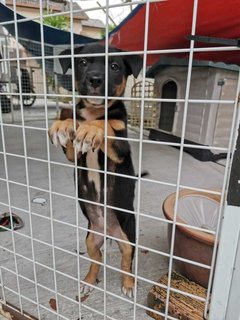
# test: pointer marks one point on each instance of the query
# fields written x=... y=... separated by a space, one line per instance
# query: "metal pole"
x=109 y=17
x=225 y=273
x=131 y=7
x=57 y=93
x=233 y=307
x=9 y=77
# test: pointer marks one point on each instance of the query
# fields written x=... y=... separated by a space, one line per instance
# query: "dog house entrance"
x=169 y=91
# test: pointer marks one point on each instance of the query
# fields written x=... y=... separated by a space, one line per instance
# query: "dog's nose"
x=95 y=81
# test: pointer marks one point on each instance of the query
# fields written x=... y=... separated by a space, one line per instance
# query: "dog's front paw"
x=61 y=132
x=88 y=137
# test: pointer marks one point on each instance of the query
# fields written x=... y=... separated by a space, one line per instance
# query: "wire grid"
x=32 y=79
x=136 y=307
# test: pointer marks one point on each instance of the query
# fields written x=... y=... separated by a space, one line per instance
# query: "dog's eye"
x=114 y=66
x=83 y=62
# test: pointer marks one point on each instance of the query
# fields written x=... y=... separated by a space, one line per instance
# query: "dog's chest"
x=92 y=188
x=89 y=114
x=92 y=182
x=96 y=216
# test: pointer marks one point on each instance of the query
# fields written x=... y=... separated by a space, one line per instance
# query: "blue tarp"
x=31 y=30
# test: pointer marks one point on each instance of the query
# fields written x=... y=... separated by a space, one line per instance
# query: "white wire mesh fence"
x=43 y=264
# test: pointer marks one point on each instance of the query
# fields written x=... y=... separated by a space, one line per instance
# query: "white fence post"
x=224 y=287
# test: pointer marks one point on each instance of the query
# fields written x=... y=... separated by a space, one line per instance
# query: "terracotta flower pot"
x=192 y=244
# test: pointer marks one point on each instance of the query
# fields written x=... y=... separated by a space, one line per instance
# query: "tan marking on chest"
x=93 y=176
x=92 y=113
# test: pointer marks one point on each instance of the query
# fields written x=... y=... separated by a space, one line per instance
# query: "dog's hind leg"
x=94 y=243
x=127 y=251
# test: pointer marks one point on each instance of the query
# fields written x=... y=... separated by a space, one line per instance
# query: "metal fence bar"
x=75 y=161
x=145 y=45
x=26 y=162
x=105 y=183
x=187 y=94
x=230 y=222
x=235 y=121
x=9 y=202
x=110 y=173
x=150 y=52
x=48 y=157
x=3 y=299
x=146 y=99
x=233 y=304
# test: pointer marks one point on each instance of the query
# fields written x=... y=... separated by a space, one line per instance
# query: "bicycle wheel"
x=28 y=101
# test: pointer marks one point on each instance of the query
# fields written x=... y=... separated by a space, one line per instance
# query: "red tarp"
x=170 y=22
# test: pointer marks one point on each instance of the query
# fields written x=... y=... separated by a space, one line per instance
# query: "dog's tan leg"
x=70 y=153
x=62 y=133
x=126 y=265
x=94 y=243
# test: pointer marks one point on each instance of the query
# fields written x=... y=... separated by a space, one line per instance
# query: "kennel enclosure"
x=44 y=262
x=207 y=124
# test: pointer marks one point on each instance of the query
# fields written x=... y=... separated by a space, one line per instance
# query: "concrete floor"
x=160 y=161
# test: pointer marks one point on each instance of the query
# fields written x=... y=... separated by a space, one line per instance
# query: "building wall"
x=91 y=32
x=28 y=12
x=33 y=12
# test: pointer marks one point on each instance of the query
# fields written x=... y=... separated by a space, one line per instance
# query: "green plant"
x=59 y=22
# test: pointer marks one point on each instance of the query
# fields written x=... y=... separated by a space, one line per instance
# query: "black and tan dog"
x=89 y=143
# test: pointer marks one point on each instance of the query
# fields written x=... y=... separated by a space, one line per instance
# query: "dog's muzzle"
x=95 y=86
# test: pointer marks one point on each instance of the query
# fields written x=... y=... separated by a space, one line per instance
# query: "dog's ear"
x=134 y=64
x=66 y=63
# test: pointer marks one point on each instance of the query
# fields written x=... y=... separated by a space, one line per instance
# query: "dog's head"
x=90 y=72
